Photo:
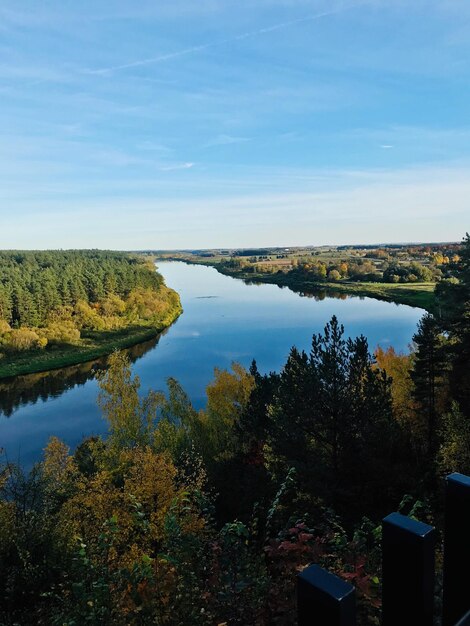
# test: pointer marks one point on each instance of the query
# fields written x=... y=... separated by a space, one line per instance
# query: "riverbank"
x=418 y=295
x=93 y=344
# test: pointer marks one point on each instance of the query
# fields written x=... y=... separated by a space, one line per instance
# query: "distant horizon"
x=256 y=247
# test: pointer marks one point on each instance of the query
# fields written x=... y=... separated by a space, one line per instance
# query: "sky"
x=230 y=123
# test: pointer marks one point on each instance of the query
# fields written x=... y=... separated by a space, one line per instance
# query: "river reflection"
x=318 y=293
x=224 y=320
x=22 y=390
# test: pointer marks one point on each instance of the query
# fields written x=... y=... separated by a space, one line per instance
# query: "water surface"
x=224 y=320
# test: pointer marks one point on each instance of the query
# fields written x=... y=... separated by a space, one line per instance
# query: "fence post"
x=323 y=599
x=456 y=599
x=465 y=621
x=407 y=572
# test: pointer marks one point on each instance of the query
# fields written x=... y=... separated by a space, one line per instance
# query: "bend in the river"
x=224 y=320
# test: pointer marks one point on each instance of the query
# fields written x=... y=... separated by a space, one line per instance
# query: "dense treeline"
x=384 y=270
x=49 y=298
x=33 y=283
x=139 y=528
x=419 y=264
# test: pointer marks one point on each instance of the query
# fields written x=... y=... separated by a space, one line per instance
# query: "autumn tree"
x=398 y=367
x=130 y=418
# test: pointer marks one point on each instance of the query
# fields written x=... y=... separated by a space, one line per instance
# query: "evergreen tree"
x=454 y=308
x=331 y=419
x=427 y=375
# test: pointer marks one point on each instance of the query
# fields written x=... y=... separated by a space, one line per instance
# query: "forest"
x=183 y=516
x=75 y=305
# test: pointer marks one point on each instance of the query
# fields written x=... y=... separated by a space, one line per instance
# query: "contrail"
x=221 y=42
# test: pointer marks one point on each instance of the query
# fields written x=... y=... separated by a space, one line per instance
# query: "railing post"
x=465 y=621
x=323 y=599
x=456 y=598
x=407 y=572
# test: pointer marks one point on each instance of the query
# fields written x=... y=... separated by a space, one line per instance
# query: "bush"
x=4 y=327
x=61 y=332
x=334 y=275
x=23 y=339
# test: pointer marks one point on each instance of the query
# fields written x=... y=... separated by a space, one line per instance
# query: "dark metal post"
x=407 y=572
x=456 y=599
x=465 y=621
x=323 y=599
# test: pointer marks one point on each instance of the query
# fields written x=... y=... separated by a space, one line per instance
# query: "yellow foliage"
x=86 y=316
x=398 y=367
x=156 y=307
x=147 y=483
x=58 y=466
x=229 y=393
x=4 y=327
x=150 y=480
x=60 y=314
x=22 y=339
x=60 y=332
x=144 y=304
x=227 y=396
x=112 y=305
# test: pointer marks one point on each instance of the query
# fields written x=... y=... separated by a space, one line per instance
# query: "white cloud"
x=161 y=58
x=225 y=140
x=176 y=166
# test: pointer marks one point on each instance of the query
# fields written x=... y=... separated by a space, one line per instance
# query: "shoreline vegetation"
x=400 y=273
x=92 y=346
x=419 y=295
x=64 y=308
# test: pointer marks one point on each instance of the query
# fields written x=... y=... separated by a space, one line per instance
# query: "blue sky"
x=199 y=123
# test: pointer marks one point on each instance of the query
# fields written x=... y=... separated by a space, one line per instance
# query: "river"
x=224 y=320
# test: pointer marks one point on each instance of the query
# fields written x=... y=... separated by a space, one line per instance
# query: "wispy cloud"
x=152 y=146
x=213 y=44
x=366 y=206
x=225 y=140
x=176 y=166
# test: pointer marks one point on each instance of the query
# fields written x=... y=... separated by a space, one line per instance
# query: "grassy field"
x=420 y=295
x=92 y=346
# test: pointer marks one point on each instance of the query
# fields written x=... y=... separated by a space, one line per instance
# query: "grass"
x=420 y=295
x=92 y=346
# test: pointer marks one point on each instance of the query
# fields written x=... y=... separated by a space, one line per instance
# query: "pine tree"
x=453 y=298
x=427 y=375
x=332 y=419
